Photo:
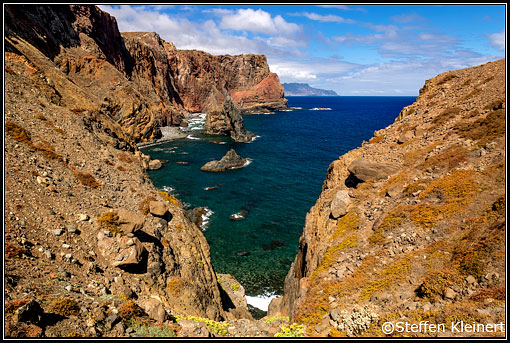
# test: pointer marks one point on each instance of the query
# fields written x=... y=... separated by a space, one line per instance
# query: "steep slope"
x=411 y=226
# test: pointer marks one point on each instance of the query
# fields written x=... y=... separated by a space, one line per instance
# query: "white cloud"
x=399 y=77
x=257 y=21
x=407 y=18
x=497 y=40
x=208 y=35
x=308 y=70
x=343 y=7
x=328 y=18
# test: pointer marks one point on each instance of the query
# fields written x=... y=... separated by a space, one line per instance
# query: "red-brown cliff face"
x=204 y=81
x=139 y=79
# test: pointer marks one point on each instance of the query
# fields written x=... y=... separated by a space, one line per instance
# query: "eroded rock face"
x=340 y=203
x=227 y=120
x=265 y=96
x=65 y=92
x=231 y=160
x=205 y=81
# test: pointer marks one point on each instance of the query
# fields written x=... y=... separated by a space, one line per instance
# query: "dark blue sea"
x=275 y=191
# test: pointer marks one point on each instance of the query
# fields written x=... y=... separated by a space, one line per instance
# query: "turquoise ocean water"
x=290 y=159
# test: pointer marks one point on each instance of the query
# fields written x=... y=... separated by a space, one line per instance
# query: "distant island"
x=304 y=89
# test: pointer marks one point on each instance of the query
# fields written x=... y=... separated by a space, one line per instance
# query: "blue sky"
x=352 y=49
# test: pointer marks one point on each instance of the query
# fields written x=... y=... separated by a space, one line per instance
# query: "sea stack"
x=227 y=121
x=231 y=160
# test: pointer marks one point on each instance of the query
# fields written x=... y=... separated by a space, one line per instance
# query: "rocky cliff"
x=206 y=81
x=411 y=225
x=139 y=79
x=91 y=246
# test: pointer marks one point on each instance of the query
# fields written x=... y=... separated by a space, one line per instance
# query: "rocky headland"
x=304 y=89
x=409 y=226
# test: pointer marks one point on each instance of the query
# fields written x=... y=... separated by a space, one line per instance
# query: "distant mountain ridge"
x=304 y=89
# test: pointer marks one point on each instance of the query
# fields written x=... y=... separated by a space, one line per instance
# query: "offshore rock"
x=231 y=160
x=227 y=121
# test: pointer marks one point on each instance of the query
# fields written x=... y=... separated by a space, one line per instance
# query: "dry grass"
x=125 y=157
x=21 y=135
x=129 y=310
x=65 y=307
x=448 y=159
x=485 y=129
x=445 y=116
x=86 y=179
x=110 y=221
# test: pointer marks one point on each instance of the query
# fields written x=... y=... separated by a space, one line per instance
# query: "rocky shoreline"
x=169 y=133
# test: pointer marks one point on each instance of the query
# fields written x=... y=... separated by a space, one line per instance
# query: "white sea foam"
x=260 y=302
x=320 y=109
x=196 y=121
x=206 y=218
x=168 y=189
x=191 y=137
x=253 y=139
x=236 y=216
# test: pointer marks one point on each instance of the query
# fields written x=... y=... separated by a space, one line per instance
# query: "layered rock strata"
x=412 y=223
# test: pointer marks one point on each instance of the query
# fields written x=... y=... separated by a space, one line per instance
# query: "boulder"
x=30 y=312
x=130 y=221
x=120 y=251
x=190 y=328
x=154 y=308
x=154 y=164
x=365 y=170
x=231 y=160
x=449 y=294
x=340 y=203
x=158 y=208
x=395 y=191
x=233 y=296
x=405 y=137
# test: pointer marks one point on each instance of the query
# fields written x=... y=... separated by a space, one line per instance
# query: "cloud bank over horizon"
x=353 y=50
